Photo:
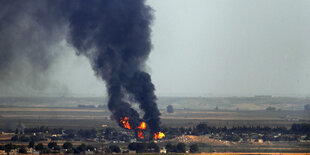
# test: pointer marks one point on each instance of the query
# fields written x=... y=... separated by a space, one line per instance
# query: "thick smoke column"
x=115 y=36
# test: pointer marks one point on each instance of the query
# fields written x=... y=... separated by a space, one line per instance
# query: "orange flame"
x=125 y=121
x=159 y=135
x=140 y=134
x=142 y=126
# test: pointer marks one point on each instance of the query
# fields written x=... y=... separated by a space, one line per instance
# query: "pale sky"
x=223 y=47
x=211 y=48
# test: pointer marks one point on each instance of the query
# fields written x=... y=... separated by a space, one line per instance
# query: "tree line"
x=67 y=147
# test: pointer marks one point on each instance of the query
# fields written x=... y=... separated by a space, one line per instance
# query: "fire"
x=125 y=121
x=159 y=135
x=140 y=134
x=139 y=129
x=142 y=126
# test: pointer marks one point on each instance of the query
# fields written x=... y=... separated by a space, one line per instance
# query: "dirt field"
x=64 y=113
x=70 y=117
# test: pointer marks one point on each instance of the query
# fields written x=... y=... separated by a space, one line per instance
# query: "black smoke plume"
x=113 y=34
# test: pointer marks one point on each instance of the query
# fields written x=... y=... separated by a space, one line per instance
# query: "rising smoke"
x=113 y=34
x=29 y=35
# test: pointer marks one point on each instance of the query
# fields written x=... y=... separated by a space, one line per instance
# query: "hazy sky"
x=238 y=47
x=211 y=48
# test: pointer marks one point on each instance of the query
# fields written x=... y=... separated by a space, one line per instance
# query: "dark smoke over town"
x=113 y=35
